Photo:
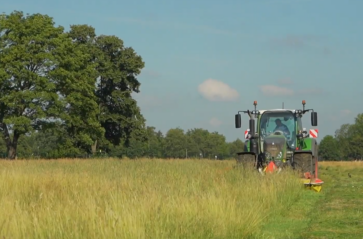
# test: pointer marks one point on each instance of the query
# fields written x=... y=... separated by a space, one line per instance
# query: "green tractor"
x=280 y=141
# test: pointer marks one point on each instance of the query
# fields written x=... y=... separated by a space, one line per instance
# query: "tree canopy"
x=346 y=144
x=76 y=84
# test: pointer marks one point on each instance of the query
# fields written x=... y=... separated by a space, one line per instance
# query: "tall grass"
x=138 y=199
x=345 y=164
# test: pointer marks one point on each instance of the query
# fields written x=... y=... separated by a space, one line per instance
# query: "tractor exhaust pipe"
x=253 y=140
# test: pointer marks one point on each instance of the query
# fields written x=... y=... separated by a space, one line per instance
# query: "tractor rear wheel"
x=303 y=163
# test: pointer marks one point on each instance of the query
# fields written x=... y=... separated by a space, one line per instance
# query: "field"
x=174 y=199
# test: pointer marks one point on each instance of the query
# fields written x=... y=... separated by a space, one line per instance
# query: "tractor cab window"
x=278 y=123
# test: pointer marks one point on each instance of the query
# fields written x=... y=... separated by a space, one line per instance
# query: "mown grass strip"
x=335 y=212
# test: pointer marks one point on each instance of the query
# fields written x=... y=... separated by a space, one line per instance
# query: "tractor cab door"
x=299 y=127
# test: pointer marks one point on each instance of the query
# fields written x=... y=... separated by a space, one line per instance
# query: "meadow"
x=111 y=198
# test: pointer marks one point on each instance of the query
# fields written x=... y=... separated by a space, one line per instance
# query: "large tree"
x=117 y=68
x=27 y=92
x=46 y=80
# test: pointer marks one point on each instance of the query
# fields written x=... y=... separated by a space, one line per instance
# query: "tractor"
x=280 y=141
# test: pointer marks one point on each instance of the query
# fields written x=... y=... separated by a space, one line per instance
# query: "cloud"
x=272 y=90
x=215 y=122
x=286 y=81
x=215 y=90
x=167 y=24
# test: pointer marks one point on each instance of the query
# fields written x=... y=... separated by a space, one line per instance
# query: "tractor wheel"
x=246 y=161
x=303 y=162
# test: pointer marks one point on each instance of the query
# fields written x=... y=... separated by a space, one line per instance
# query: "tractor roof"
x=277 y=110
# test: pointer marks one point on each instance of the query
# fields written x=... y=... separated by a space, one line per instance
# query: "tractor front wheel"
x=303 y=163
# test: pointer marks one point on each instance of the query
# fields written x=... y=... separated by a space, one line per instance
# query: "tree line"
x=345 y=144
x=176 y=143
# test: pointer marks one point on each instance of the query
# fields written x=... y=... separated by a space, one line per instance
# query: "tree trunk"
x=11 y=144
x=12 y=151
x=94 y=147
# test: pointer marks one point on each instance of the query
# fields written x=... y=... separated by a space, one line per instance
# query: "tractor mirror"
x=237 y=120
x=252 y=127
x=314 y=118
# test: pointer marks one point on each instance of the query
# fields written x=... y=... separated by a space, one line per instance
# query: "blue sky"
x=205 y=60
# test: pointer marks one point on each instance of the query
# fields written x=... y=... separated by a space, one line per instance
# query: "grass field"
x=174 y=199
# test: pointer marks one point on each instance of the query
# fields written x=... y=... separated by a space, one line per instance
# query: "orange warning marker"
x=271 y=167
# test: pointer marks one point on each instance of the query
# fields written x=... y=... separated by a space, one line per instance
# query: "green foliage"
x=55 y=143
x=117 y=67
x=347 y=143
x=76 y=82
x=328 y=148
x=28 y=93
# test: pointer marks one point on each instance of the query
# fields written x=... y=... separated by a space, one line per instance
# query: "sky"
x=205 y=60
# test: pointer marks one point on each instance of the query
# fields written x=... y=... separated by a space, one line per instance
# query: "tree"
x=328 y=148
x=154 y=142
x=342 y=136
x=175 y=143
x=356 y=137
x=197 y=141
x=117 y=68
x=236 y=147
x=28 y=94
x=216 y=146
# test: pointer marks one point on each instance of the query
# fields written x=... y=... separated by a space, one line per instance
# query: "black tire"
x=303 y=162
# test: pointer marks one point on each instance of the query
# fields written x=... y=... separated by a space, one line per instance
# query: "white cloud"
x=272 y=90
x=215 y=90
x=215 y=122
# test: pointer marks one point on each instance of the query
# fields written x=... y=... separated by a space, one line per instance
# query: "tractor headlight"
x=267 y=155
x=279 y=155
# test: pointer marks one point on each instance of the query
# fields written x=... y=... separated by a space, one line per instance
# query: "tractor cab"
x=279 y=124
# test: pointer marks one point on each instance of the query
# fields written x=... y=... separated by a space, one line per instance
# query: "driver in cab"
x=281 y=127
